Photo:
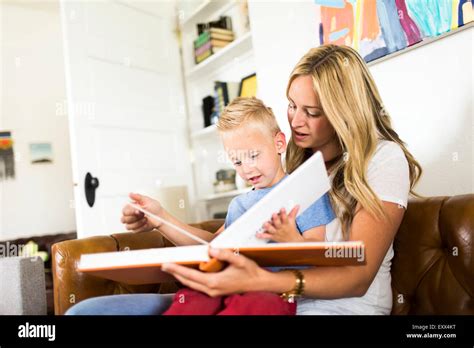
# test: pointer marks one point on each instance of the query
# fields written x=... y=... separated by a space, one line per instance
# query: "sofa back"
x=433 y=266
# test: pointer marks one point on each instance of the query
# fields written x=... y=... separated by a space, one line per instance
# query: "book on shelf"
x=211 y=41
x=221 y=31
x=219 y=43
x=206 y=54
x=207 y=46
x=225 y=93
x=302 y=187
x=208 y=36
x=223 y=37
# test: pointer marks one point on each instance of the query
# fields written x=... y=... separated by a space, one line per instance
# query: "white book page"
x=303 y=187
x=144 y=256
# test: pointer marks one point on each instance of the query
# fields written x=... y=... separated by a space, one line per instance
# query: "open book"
x=303 y=187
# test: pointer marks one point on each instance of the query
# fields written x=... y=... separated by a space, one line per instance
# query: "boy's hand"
x=282 y=227
x=135 y=220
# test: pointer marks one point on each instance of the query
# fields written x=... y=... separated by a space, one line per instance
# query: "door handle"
x=90 y=185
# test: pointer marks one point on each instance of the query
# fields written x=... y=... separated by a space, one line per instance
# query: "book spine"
x=203 y=56
x=202 y=49
x=216 y=103
x=219 y=43
x=221 y=31
x=224 y=37
x=225 y=94
x=220 y=95
x=202 y=39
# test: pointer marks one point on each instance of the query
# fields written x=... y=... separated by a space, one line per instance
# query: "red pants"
x=192 y=302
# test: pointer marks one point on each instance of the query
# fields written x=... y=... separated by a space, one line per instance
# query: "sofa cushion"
x=433 y=266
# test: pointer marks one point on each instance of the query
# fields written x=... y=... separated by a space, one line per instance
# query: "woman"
x=334 y=107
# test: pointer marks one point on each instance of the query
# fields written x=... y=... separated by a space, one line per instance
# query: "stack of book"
x=210 y=41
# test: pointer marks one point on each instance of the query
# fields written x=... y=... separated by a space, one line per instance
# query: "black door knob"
x=90 y=185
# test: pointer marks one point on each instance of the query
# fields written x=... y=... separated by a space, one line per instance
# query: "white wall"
x=37 y=201
x=427 y=91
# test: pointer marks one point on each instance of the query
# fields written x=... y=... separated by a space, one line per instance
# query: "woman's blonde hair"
x=251 y=111
x=350 y=100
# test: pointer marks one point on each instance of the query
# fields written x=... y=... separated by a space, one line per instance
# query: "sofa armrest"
x=71 y=286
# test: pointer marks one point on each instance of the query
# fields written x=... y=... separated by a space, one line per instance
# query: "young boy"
x=254 y=143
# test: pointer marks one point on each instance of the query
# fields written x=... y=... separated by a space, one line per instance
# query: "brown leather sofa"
x=432 y=271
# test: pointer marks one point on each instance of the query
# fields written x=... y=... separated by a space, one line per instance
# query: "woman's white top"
x=388 y=176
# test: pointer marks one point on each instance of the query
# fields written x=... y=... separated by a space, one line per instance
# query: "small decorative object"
x=224 y=22
x=41 y=153
x=31 y=249
x=248 y=86
x=219 y=215
x=207 y=109
x=225 y=180
x=7 y=158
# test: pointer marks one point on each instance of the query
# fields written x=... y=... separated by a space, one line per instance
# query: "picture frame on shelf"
x=248 y=86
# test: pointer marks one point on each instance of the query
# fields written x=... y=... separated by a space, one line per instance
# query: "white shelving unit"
x=230 y=64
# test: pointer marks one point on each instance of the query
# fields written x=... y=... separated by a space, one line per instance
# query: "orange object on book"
x=214 y=265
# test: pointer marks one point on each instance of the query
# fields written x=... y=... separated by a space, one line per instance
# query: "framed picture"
x=248 y=86
x=41 y=153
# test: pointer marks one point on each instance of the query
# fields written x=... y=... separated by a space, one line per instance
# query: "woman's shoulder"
x=388 y=147
x=388 y=172
x=388 y=152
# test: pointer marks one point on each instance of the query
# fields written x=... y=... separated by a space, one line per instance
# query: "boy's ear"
x=280 y=142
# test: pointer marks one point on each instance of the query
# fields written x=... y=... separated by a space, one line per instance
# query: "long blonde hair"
x=351 y=102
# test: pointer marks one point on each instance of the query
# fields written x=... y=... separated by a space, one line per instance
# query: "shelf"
x=227 y=194
x=233 y=50
x=205 y=9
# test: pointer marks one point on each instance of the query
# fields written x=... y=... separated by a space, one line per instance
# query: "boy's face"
x=255 y=154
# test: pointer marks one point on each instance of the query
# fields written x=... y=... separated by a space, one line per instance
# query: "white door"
x=125 y=103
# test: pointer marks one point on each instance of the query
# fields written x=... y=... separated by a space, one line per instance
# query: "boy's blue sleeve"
x=319 y=213
x=234 y=211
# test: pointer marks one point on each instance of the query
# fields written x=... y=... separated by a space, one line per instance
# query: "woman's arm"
x=348 y=281
x=315 y=234
x=321 y=282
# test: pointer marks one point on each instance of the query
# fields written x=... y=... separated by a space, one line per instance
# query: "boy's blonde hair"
x=247 y=111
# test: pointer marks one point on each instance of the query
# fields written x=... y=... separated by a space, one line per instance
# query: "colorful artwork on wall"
x=376 y=28
x=7 y=158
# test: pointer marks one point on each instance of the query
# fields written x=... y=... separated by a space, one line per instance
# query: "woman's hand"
x=135 y=220
x=241 y=275
x=282 y=227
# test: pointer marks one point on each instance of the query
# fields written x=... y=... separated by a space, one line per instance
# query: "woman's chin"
x=301 y=143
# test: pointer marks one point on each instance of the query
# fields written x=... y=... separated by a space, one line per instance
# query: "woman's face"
x=310 y=128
